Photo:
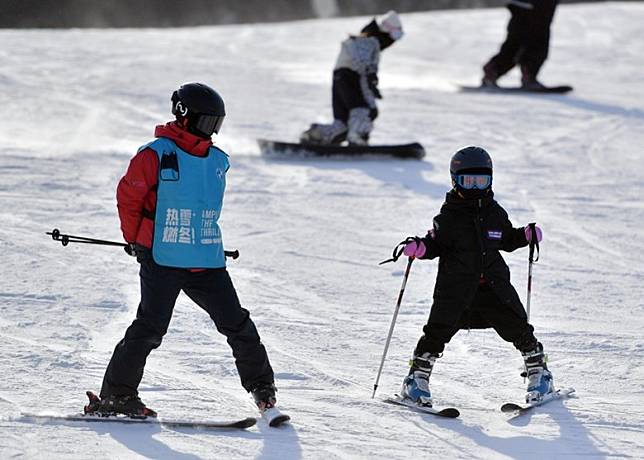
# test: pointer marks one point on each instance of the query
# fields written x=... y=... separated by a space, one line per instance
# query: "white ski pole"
x=393 y=322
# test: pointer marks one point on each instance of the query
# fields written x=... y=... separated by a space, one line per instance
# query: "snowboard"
x=516 y=89
x=448 y=412
x=205 y=425
x=413 y=151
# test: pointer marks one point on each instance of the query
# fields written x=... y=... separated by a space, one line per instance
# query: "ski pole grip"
x=534 y=242
x=56 y=236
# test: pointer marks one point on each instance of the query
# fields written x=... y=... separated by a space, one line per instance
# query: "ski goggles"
x=208 y=124
x=395 y=33
x=474 y=181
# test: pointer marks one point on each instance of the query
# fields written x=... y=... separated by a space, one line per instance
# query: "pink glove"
x=414 y=249
x=528 y=233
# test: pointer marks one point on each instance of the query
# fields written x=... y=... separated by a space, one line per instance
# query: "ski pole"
x=66 y=239
x=393 y=322
x=531 y=260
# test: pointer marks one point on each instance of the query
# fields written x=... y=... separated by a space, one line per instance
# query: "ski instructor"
x=169 y=202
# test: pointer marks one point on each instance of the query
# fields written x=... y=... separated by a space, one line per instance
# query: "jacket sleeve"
x=132 y=190
x=437 y=239
x=513 y=238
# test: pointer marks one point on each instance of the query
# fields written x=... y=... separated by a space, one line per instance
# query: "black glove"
x=130 y=249
x=372 y=82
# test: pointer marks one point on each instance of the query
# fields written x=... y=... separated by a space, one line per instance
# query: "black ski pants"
x=488 y=309
x=347 y=95
x=213 y=291
x=528 y=39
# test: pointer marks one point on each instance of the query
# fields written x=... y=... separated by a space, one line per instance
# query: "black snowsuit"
x=473 y=288
x=528 y=37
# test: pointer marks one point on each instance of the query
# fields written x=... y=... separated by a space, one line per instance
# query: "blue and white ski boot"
x=416 y=385
x=540 y=382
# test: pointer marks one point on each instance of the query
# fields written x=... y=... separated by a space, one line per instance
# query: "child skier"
x=355 y=84
x=473 y=288
x=169 y=201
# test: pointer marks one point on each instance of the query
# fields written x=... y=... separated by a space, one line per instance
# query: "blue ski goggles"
x=474 y=181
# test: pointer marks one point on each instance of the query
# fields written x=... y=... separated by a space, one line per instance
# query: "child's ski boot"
x=540 y=381
x=416 y=385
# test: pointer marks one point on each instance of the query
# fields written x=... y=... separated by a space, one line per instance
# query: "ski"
x=516 y=89
x=448 y=412
x=274 y=417
x=205 y=425
x=523 y=408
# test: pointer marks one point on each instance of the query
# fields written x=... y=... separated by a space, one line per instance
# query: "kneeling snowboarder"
x=355 y=84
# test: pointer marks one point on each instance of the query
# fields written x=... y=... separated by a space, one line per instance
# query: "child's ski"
x=523 y=408
x=448 y=412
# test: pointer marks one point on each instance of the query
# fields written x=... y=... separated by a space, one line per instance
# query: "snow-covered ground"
x=75 y=106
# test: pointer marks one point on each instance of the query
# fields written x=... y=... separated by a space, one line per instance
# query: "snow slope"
x=75 y=106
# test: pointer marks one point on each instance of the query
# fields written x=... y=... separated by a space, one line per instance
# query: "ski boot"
x=264 y=396
x=416 y=385
x=333 y=134
x=540 y=381
x=129 y=405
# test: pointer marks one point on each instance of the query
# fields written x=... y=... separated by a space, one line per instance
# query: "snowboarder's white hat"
x=390 y=24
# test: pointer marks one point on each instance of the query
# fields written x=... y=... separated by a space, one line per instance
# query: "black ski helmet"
x=201 y=106
x=470 y=160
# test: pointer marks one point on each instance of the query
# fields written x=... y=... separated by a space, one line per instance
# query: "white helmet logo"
x=183 y=111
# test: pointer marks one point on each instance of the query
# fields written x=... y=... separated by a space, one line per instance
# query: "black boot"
x=490 y=75
x=264 y=395
x=130 y=405
x=529 y=79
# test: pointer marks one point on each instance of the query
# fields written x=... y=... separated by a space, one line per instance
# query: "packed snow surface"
x=76 y=104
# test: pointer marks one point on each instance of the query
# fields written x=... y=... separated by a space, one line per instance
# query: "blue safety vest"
x=189 y=199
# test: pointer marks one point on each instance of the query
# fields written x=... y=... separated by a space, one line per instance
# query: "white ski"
x=448 y=412
x=522 y=408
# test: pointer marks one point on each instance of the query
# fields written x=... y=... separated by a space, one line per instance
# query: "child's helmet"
x=471 y=172
x=201 y=106
x=387 y=29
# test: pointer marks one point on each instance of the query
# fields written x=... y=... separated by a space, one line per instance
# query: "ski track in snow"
x=78 y=103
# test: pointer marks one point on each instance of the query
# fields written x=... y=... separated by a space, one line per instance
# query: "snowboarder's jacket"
x=361 y=56
x=140 y=190
x=467 y=236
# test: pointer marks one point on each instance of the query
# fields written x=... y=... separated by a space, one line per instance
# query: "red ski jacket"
x=136 y=195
